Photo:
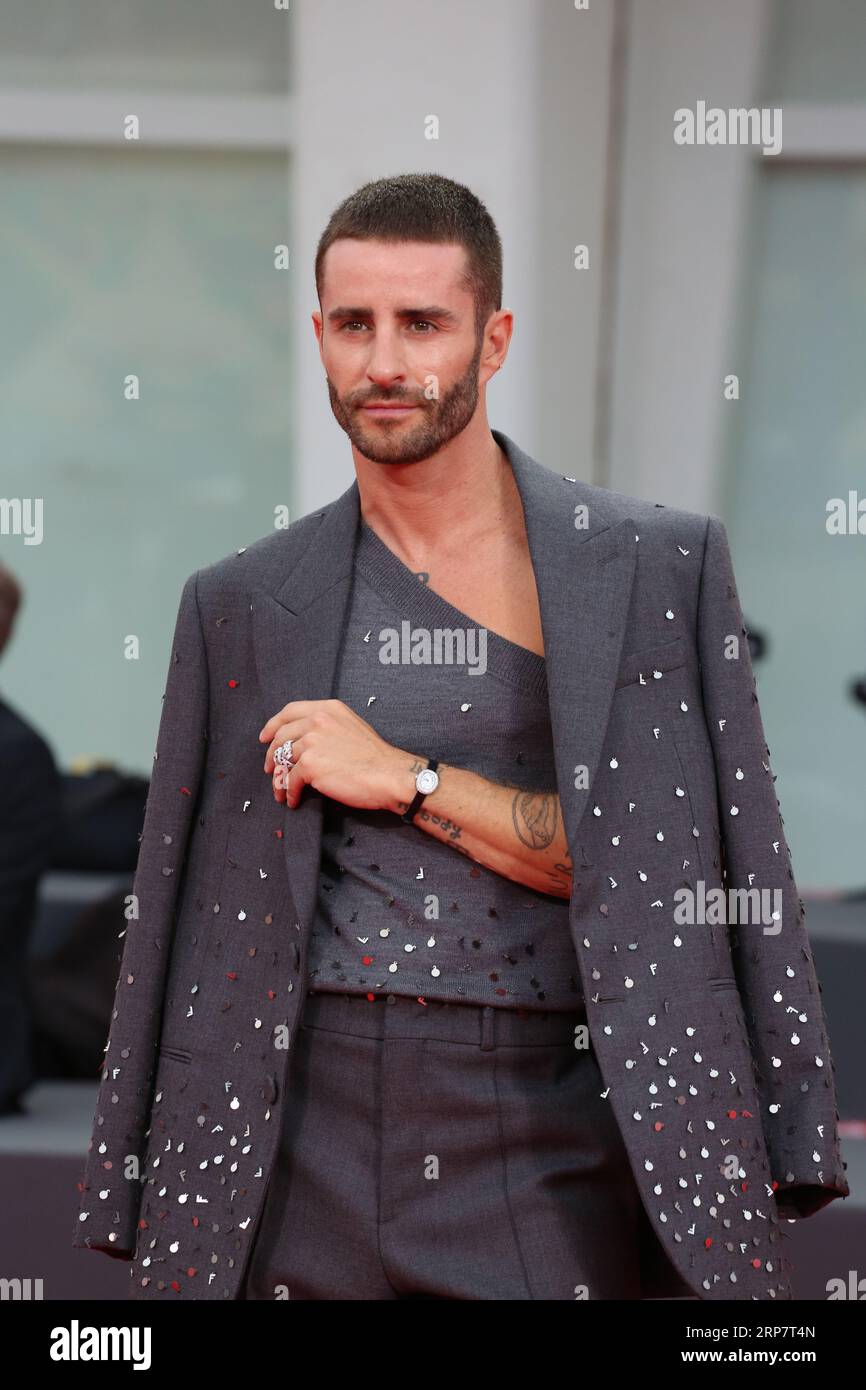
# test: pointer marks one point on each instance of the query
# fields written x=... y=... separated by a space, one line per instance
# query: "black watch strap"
x=409 y=815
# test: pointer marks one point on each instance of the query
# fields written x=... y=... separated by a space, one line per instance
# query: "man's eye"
x=357 y=323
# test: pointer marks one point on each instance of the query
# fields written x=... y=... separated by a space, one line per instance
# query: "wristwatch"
x=426 y=781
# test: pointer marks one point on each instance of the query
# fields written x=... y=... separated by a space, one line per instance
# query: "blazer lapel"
x=584 y=577
x=297 y=632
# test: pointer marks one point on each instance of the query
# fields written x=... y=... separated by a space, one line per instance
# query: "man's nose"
x=385 y=363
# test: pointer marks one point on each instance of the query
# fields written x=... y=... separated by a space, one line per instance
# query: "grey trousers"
x=446 y=1151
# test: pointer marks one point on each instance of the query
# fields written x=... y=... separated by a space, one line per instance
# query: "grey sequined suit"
x=710 y=1037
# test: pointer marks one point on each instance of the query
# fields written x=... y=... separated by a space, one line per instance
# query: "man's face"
x=396 y=328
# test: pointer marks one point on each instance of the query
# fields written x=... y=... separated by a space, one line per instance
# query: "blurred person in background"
x=29 y=806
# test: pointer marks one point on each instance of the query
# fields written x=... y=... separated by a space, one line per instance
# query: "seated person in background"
x=30 y=804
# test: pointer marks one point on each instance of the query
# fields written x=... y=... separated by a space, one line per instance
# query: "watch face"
x=427 y=781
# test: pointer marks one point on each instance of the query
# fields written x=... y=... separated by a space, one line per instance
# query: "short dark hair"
x=424 y=207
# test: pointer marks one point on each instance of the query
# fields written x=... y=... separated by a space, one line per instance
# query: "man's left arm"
x=516 y=833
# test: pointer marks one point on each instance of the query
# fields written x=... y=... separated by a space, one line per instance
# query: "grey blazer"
x=709 y=1032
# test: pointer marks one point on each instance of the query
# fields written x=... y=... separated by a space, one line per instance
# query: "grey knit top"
x=399 y=911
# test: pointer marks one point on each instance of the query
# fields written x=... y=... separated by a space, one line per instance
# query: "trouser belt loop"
x=487 y=1028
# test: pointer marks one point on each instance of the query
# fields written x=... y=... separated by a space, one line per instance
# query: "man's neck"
x=463 y=496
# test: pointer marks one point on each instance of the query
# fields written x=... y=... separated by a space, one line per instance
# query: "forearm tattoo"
x=450 y=826
x=561 y=874
x=534 y=815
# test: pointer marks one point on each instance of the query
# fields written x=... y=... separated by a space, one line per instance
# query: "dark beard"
x=438 y=423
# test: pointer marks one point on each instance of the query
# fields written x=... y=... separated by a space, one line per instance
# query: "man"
x=477 y=1034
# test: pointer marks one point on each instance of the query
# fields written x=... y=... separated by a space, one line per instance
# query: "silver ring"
x=283 y=754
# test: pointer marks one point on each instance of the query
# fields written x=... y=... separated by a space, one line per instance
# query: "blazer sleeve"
x=111 y=1188
x=775 y=972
